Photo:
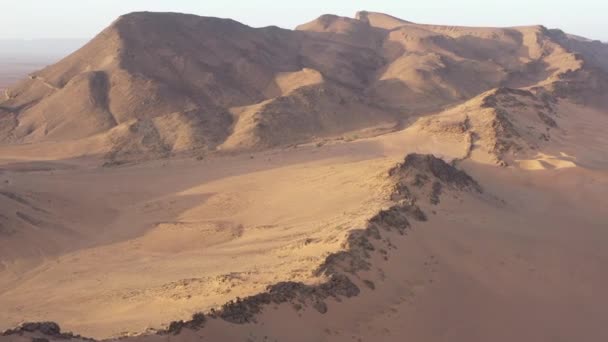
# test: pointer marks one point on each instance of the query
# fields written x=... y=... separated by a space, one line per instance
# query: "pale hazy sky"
x=28 y=19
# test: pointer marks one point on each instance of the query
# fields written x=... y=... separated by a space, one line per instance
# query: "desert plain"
x=187 y=178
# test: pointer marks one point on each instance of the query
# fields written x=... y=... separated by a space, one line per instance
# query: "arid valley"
x=187 y=178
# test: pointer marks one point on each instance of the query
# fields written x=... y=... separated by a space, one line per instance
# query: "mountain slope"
x=148 y=68
x=322 y=231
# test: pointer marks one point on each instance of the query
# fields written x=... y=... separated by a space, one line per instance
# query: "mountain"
x=154 y=84
x=184 y=178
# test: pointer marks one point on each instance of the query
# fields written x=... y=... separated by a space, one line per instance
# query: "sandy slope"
x=352 y=247
x=476 y=271
x=180 y=236
x=224 y=227
x=155 y=84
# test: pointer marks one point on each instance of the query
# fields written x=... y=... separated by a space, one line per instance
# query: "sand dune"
x=367 y=178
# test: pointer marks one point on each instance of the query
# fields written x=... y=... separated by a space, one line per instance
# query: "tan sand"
x=135 y=205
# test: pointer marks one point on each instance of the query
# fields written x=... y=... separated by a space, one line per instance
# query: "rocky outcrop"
x=340 y=269
x=429 y=175
x=44 y=329
x=503 y=123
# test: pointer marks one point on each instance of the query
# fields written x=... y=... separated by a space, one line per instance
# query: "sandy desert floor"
x=157 y=241
x=186 y=178
x=510 y=271
x=176 y=236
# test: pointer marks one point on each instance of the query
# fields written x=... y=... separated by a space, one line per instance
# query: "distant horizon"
x=39 y=49
x=43 y=38
x=70 y=19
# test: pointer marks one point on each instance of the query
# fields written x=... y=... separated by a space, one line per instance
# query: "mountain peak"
x=226 y=82
x=380 y=20
x=168 y=20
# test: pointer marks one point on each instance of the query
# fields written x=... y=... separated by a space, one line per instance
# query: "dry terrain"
x=357 y=179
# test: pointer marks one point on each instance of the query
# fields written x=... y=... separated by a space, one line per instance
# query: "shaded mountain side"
x=587 y=86
x=161 y=136
x=426 y=176
x=434 y=66
x=8 y=123
x=380 y=20
x=500 y=124
x=240 y=87
x=88 y=94
x=593 y=51
x=342 y=272
x=310 y=111
x=344 y=30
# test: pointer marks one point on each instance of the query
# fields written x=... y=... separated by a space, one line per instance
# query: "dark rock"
x=547 y=120
x=505 y=96
x=414 y=212
x=347 y=261
x=421 y=180
x=320 y=306
x=426 y=164
x=175 y=327
x=392 y=218
x=436 y=192
x=401 y=192
x=198 y=319
x=47 y=328
x=369 y=284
